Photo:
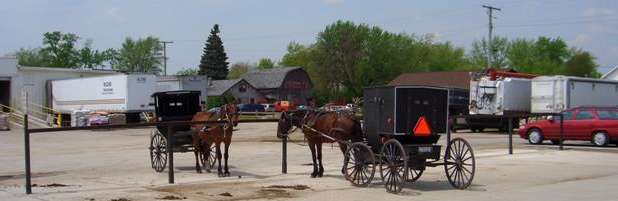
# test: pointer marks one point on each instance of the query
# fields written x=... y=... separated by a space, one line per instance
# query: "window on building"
x=242 y=88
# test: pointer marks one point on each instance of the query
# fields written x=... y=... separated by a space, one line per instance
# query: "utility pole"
x=165 y=55
x=490 y=13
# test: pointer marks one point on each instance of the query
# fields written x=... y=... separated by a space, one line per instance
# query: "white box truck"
x=499 y=96
x=191 y=82
x=553 y=94
x=124 y=93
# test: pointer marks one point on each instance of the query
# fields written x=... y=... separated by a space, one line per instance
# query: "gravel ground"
x=114 y=165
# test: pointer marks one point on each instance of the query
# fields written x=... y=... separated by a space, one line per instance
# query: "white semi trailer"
x=553 y=94
x=191 y=82
x=124 y=93
x=496 y=92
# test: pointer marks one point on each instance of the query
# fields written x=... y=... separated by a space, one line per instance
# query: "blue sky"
x=253 y=29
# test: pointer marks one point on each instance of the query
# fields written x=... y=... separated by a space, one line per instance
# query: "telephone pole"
x=165 y=55
x=490 y=13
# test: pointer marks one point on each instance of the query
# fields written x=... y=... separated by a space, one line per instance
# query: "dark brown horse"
x=205 y=135
x=340 y=126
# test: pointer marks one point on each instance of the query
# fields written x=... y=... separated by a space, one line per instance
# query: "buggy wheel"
x=208 y=156
x=459 y=163
x=394 y=166
x=413 y=175
x=359 y=164
x=158 y=151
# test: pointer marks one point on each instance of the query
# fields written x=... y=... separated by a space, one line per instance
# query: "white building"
x=611 y=75
x=17 y=80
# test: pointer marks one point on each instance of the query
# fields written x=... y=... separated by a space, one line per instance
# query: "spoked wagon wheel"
x=413 y=175
x=158 y=151
x=459 y=163
x=208 y=159
x=394 y=166
x=359 y=164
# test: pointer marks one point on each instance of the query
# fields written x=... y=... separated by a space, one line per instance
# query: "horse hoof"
x=208 y=170
x=227 y=174
x=220 y=174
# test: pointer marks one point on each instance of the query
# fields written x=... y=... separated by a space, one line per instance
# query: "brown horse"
x=340 y=126
x=205 y=135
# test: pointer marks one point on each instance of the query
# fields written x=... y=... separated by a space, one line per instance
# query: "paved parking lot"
x=114 y=165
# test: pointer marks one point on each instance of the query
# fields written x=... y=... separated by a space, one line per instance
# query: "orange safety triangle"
x=422 y=127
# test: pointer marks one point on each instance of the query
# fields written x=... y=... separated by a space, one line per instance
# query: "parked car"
x=269 y=107
x=214 y=109
x=284 y=106
x=251 y=108
x=596 y=124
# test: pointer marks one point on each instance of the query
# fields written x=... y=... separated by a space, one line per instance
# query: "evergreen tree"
x=214 y=60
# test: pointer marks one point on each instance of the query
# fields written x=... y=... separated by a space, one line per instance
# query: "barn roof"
x=268 y=78
x=450 y=79
x=218 y=87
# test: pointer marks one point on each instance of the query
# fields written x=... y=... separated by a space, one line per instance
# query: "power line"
x=583 y=21
x=490 y=13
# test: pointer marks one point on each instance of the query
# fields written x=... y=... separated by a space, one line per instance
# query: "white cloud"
x=435 y=36
x=114 y=13
x=333 y=2
x=581 y=39
x=593 y=12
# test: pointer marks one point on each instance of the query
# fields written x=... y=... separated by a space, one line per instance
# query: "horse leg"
x=207 y=151
x=197 y=150
x=313 y=158
x=344 y=149
x=226 y=155
x=219 y=172
x=319 y=149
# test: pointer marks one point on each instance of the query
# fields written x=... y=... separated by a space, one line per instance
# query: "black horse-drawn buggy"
x=175 y=106
x=402 y=126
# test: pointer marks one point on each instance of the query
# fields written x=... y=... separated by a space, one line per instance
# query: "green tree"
x=581 y=64
x=59 y=49
x=266 y=63
x=31 y=57
x=91 y=58
x=188 y=71
x=297 y=55
x=214 y=60
x=138 y=56
x=499 y=50
x=237 y=70
x=348 y=57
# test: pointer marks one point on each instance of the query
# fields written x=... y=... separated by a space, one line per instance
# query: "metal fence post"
x=284 y=158
x=510 y=128
x=170 y=153
x=27 y=154
x=448 y=129
x=561 y=130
